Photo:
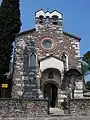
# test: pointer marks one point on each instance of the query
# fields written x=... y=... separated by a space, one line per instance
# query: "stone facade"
x=80 y=106
x=48 y=43
x=23 y=108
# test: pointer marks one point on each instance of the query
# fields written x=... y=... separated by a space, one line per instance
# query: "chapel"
x=47 y=61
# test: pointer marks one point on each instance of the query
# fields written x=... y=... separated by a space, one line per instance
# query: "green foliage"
x=86 y=57
x=87 y=85
x=9 y=26
x=86 y=62
x=86 y=69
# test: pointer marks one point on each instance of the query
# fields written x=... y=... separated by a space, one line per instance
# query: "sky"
x=76 y=17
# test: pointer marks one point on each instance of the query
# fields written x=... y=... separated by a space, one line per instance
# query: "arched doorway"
x=50 y=86
x=70 y=82
x=50 y=93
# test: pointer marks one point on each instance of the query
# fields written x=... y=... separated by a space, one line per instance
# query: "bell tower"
x=53 y=18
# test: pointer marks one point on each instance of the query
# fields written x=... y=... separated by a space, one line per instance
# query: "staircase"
x=56 y=112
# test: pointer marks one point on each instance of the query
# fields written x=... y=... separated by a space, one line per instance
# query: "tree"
x=86 y=69
x=87 y=85
x=9 y=26
x=86 y=57
x=86 y=62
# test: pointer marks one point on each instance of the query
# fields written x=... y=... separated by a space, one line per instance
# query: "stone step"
x=56 y=111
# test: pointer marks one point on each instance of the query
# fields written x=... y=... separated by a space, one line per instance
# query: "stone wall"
x=80 y=106
x=18 y=108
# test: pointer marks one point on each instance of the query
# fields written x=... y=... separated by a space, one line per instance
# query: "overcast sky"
x=76 y=17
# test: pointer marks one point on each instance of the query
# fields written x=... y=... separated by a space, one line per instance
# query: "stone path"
x=52 y=118
x=55 y=114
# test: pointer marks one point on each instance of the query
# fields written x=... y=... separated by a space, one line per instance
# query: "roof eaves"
x=49 y=57
x=71 y=35
x=26 y=31
x=56 y=11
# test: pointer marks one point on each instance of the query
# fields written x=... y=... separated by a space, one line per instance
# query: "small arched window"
x=32 y=60
x=55 y=19
x=64 y=58
x=41 y=19
x=50 y=75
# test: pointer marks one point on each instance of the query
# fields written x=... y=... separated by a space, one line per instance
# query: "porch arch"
x=54 y=79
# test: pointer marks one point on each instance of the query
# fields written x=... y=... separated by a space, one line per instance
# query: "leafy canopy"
x=9 y=26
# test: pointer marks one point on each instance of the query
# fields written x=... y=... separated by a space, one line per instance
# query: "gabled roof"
x=57 y=12
x=71 y=35
x=51 y=62
x=74 y=72
x=47 y=57
x=48 y=11
x=34 y=29
x=27 y=31
x=38 y=11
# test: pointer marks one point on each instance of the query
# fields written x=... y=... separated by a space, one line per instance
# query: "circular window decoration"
x=47 y=43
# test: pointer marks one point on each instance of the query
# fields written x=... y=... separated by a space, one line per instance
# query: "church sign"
x=4 y=85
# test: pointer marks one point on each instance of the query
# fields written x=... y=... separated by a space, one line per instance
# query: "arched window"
x=41 y=19
x=50 y=75
x=64 y=58
x=32 y=60
x=55 y=19
x=41 y=16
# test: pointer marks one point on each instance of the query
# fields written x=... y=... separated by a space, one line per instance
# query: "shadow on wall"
x=30 y=82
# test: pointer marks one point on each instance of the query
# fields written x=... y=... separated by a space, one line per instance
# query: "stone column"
x=41 y=96
x=59 y=97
